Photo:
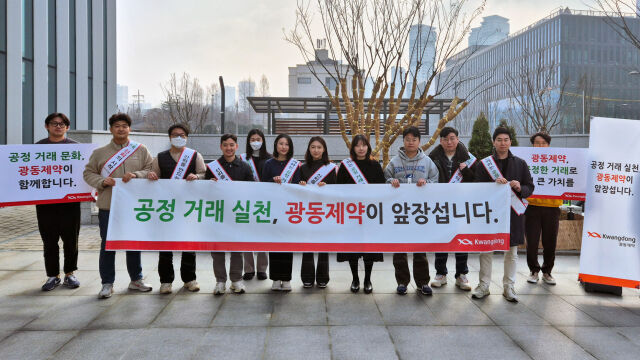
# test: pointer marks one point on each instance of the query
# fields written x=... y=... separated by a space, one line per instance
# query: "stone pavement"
x=549 y=322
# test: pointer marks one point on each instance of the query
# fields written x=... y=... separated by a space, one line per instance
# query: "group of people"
x=449 y=162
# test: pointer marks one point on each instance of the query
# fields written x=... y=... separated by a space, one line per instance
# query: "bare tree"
x=371 y=37
x=184 y=100
x=213 y=98
x=536 y=93
x=622 y=16
x=263 y=90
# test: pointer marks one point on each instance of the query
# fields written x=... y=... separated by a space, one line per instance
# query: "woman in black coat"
x=360 y=153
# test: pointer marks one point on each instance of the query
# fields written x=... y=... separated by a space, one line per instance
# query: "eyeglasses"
x=58 y=124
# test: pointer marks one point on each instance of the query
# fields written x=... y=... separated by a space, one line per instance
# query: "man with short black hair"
x=504 y=168
x=228 y=167
x=454 y=166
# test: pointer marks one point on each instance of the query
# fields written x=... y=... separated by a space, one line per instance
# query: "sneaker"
x=401 y=289
x=321 y=285
x=533 y=278
x=307 y=285
x=548 y=279
x=262 y=276
x=426 y=290
x=277 y=285
x=462 y=283
x=439 y=281
x=480 y=291
x=192 y=286
x=52 y=283
x=248 y=276
x=509 y=293
x=71 y=282
x=286 y=286
x=220 y=288
x=140 y=286
x=237 y=287
x=165 y=288
x=107 y=290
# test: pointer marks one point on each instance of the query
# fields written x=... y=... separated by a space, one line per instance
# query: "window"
x=330 y=83
x=304 y=80
x=27 y=71
x=72 y=63
x=52 y=75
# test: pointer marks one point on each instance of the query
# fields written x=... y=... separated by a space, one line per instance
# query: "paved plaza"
x=549 y=322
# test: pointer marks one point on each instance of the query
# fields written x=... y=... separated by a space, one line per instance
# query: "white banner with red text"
x=176 y=215
x=610 y=254
x=44 y=173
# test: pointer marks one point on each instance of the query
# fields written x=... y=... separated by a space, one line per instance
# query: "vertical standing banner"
x=610 y=254
x=558 y=173
x=44 y=173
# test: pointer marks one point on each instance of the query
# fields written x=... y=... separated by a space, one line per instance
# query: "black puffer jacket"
x=445 y=173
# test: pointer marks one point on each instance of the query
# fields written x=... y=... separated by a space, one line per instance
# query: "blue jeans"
x=107 y=263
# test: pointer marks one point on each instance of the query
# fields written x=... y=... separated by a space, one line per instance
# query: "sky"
x=237 y=39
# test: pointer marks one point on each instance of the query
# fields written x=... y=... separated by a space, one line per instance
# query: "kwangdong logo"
x=465 y=242
x=481 y=242
x=594 y=235
x=612 y=237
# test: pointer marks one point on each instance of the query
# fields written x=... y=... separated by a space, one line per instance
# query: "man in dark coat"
x=515 y=172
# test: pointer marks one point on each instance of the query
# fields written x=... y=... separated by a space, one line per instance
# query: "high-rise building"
x=422 y=50
x=492 y=30
x=229 y=96
x=122 y=97
x=56 y=56
x=246 y=88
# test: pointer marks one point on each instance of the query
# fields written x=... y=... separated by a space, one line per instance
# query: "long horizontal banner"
x=44 y=173
x=558 y=173
x=175 y=215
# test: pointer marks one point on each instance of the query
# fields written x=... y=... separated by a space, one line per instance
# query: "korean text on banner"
x=174 y=215
x=44 y=173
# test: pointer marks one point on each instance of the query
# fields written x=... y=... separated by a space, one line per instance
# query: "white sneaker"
x=509 y=293
x=192 y=286
x=165 y=288
x=220 y=288
x=480 y=291
x=548 y=279
x=277 y=285
x=533 y=278
x=237 y=287
x=439 y=280
x=140 y=286
x=107 y=290
x=462 y=283
x=286 y=286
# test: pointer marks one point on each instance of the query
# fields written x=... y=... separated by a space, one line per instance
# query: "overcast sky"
x=236 y=39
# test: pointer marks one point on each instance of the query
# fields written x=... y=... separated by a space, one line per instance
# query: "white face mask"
x=179 y=142
x=256 y=145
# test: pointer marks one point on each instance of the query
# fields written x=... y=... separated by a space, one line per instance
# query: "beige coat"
x=138 y=163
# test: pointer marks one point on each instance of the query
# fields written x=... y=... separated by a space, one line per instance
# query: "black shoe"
x=321 y=285
x=248 y=276
x=368 y=288
x=262 y=276
x=426 y=290
x=401 y=289
x=355 y=286
x=307 y=285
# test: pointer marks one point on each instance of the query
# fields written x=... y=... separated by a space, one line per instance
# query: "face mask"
x=256 y=145
x=179 y=142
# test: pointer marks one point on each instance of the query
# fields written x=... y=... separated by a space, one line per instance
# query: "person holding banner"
x=125 y=159
x=281 y=169
x=504 y=168
x=542 y=217
x=410 y=166
x=359 y=168
x=316 y=170
x=228 y=167
x=177 y=163
x=454 y=164
x=256 y=143
x=57 y=221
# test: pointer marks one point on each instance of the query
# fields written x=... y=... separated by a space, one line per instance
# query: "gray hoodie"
x=401 y=167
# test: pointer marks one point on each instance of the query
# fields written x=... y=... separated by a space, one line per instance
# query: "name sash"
x=321 y=173
x=354 y=171
x=518 y=205
x=183 y=163
x=119 y=158
x=252 y=165
x=218 y=172
x=457 y=176
x=289 y=170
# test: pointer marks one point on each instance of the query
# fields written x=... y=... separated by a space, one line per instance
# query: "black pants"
x=57 y=221
x=187 y=267
x=308 y=272
x=461 y=263
x=546 y=221
x=280 y=266
x=420 y=269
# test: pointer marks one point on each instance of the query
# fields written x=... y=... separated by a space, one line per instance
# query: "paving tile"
x=131 y=312
x=287 y=343
x=602 y=342
x=99 y=344
x=503 y=312
x=604 y=310
x=456 y=309
x=545 y=342
x=404 y=310
x=631 y=333
x=25 y=345
x=366 y=342
x=74 y=314
x=352 y=309
x=246 y=310
x=299 y=309
x=158 y=343
x=244 y=342
x=188 y=310
x=557 y=311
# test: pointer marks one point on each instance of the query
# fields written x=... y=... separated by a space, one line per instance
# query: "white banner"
x=610 y=254
x=169 y=215
x=558 y=173
x=44 y=173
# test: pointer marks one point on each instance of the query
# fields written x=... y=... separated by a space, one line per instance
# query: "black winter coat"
x=440 y=159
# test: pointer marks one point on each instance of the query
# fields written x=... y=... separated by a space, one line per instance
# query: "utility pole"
x=222 y=106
